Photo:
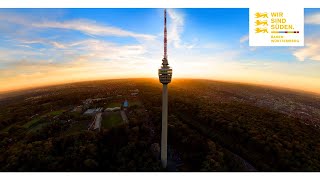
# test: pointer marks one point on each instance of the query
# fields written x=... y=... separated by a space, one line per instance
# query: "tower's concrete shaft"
x=164 y=131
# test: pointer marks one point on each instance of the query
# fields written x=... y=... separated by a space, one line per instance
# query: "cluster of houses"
x=97 y=112
x=93 y=111
x=135 y=92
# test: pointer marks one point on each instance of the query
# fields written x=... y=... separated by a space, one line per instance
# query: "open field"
x=37 y=126
x=134 y=102
x=78 y=127
x=111 y=119
x=32 y=122
x=113 y=104
x=55 y=113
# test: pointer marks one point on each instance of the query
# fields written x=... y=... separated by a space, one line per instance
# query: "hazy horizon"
x=3 y=93
x=42 y=47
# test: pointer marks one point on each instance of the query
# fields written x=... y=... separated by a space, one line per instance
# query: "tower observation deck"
x=165 y=75
x=165 y=72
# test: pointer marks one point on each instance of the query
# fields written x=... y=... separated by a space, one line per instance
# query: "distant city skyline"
x=52 y=46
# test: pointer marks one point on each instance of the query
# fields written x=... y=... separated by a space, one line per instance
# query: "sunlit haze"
x=52 y=46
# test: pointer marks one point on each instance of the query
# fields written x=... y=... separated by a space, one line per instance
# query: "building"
x=86 y=103
x=93 y=111
x=165 y=75
x=134 y=94
x=112 y=109
x=135 y=90
x=125 y=104
x=78 y=109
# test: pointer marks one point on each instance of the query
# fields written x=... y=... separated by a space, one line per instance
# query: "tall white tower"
x=165 y=74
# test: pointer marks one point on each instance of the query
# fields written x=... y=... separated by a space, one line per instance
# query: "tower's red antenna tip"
x=165 y=34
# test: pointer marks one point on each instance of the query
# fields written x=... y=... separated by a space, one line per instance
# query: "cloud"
x=103 y=50
x=22 y=45
x=31 y=23
x=91 y=28
x=65 y=52
x=245 y=45
x=313 y=19
x=244 y=38
x=15 y=18
x=28 y=43
x=309 y=51
x=8 y=55
x=26 y=74
x=176 y=28
x=58 y=45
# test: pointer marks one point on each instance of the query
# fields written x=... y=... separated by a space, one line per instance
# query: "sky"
x=51 y=46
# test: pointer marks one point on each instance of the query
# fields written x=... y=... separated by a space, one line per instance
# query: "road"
x=245 y=164
x=97 y=120
x=124 y=116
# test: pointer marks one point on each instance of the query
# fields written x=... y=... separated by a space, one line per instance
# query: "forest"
x=211 y=127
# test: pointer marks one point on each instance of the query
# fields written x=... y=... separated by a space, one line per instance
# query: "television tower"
x=165 y=74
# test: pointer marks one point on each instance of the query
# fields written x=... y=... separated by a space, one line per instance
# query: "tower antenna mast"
x=165 y=55
x=165 y=35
